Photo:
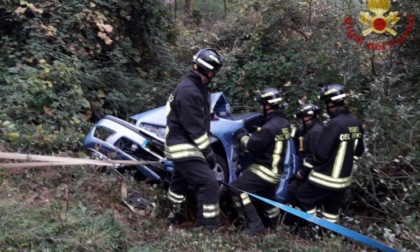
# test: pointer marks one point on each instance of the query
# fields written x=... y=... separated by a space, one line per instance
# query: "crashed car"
x=142 y=138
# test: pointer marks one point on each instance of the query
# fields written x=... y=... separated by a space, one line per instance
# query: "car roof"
x=157 y=116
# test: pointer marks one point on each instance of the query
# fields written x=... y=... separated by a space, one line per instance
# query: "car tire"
x=221 y=169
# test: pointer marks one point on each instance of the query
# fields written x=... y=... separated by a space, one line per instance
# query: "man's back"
x=339 y=142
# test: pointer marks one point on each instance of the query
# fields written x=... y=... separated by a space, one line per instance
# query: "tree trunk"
x=188 y=7
x=224 y=8
x=175 y=7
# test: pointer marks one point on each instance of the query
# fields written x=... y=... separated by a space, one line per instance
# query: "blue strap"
x=326 y=224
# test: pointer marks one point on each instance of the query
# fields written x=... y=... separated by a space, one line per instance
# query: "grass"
x=80 y=209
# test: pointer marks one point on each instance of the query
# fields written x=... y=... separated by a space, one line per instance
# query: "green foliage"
x=66 y=64
x=301 y=46
x=66 y=224
x=80 y=209
x=280 y=44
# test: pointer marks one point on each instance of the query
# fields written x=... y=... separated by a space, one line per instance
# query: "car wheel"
x=221 y=169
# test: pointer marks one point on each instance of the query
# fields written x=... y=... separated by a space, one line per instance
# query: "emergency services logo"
x=380 y=21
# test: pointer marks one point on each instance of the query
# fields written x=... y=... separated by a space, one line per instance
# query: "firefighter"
x=187 y=142
x=340 y=143
x=305 y=139
x=268 y=145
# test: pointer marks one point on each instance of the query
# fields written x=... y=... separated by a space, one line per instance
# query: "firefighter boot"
x=210 y=224
x=289 y=219
x=176 y=213
x=272 y=216
x=255 y=226
x=254 y=222
x=273 y=222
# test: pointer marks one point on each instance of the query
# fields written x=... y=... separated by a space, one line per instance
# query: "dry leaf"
x=108 y=28
x=108 y=41
x=102 y=35
x=20 y=10
x=101 y=93
x=35 y=9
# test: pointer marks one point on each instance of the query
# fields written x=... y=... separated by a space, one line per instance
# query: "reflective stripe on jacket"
x=340 y=140
x=305 y=139
x=188 y=120
x=268 y=146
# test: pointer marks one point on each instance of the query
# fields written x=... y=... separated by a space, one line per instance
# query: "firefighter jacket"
x=305 y=139
x=188 y=121
x=268 y=146
x=340 y=142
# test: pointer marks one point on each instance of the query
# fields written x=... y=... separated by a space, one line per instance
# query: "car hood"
x=157 y=116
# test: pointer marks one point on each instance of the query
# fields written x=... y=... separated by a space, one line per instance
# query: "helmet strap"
x=330 y=108
x=307 y=120
x=201 y=71
x=208 y=77
x=266 y=110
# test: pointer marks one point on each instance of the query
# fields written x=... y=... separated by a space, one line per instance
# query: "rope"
x=321 y=222
x=46 y=161
x=63 y=161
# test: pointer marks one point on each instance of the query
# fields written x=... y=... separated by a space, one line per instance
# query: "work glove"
x=211 y=159
x=240 y=133
x=301 y=175
x=213 y=117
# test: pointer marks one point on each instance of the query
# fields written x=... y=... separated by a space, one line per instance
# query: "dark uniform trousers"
x=310 y=196
x=251 y=183
x=332 y=165
x=291 y=199
x=197 y=174
x=292 y=189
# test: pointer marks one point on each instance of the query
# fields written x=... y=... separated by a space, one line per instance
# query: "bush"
x=65 y=65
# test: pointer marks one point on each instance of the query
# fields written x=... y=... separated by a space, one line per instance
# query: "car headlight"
x=158 y=130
